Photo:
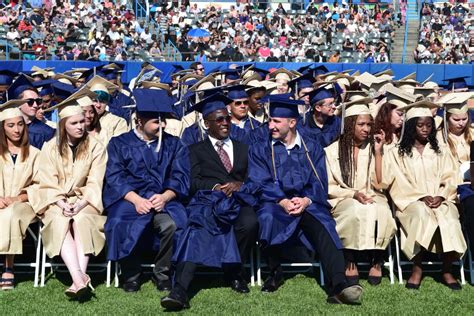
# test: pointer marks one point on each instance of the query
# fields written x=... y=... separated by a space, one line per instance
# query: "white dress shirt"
x=228 y=147
x=297 y=142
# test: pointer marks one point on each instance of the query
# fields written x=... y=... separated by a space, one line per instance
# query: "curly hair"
x=346 y=150
x=383 y=122
x=408 y=139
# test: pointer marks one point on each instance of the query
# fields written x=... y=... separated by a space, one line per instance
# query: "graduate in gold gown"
x=69 y=201
x=18 y=165
x=364 y=221
x=111 y=125
x=456 y=131
x=422 y=180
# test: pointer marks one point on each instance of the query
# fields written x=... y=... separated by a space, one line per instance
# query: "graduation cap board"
x=456 y=102
x=155 y=85
x=281 y=74
x=21 y=84
x=457 y=82
x=319 y=94
x=418 y=109
x=283 y=107
x=398 y=97
x=73 y=105
x=212 y=103
x=152 y=102
x=6 y=77
x=9 y=109
x=237 y=92
x=97 y=83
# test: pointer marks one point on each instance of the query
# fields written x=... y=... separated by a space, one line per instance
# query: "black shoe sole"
x=374 y=281
x=173 y=305
x=412 y=286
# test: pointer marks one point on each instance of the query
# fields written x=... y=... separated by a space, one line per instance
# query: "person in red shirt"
x=24 y=25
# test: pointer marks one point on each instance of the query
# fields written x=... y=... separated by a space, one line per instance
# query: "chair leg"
x=109 y=268
x=321 y=274
x=399 y=267
x=38 y=256
x=116 y=278
x=471 y=270
x=259 y=267
x=43 y=266
x=461 y=272
x=390 y=264
x=252 y=269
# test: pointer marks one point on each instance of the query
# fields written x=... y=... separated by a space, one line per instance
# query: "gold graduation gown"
x=111 y=125
x=462 y=155
x=412 y=178
x=176 y=127
x=15 y=179
x=71 y=180
x=360 y=227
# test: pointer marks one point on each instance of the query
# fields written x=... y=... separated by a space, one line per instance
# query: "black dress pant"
x=468 y=219
x=245 y=230
x=164 y=227
x=332 y=258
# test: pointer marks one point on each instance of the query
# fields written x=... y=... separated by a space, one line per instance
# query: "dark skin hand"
x=229 y=187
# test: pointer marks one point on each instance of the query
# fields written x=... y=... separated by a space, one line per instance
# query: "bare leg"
x=351 y=265
x=377 y=263
x=83 y=259
x=69 y=256
x=9 y=260
x=417 y=271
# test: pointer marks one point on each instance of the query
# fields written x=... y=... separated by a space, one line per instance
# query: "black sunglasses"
x=221 y=119
x=30 y=102
x=241 y=102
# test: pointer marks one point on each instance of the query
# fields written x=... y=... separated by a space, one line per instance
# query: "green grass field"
x=300 y=294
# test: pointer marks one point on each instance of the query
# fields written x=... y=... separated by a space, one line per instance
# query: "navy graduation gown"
x=39 y=133
x=326 y=135
x=194 y=134
x=250 y=125
x=133 y=166
x=295 y=178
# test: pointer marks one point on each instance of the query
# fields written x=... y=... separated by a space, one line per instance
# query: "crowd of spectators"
x=110 y=31
x=446 y=34
x=322 y=33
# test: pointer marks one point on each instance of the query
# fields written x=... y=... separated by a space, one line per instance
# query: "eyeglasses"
x=221 y=119
x=246 y=102
x=200 y=69
x=30 y=102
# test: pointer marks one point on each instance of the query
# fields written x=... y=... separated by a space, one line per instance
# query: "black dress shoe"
x=412 y=286
x=374 y=280
x=239 y=286
x=273 y=282
x=352 y=280
x=162 y=285
x=131 y=286
x=453 y=286
x=176 y=300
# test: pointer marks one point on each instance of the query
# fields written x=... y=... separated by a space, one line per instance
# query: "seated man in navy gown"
x=288 y=171
x=220 y=232
x=320 y=122
x=23 y=89
x=147 y=177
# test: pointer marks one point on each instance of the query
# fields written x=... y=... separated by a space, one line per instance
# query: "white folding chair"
x=52 y=265
x=401 y=263
x=250 y=265
x=35 y=264
x=292 y=265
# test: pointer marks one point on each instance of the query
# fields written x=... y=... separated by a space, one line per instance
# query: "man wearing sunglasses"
x=226 y=236
x=22 y=89
x=198 y=68
x=239 y=108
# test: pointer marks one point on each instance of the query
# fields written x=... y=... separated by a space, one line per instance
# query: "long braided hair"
x=346 y=150
x=408 y=139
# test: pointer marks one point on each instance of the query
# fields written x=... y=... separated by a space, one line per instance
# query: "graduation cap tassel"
x=445 y=127
x=343 y=115
x=160 y=135
x=403 y=128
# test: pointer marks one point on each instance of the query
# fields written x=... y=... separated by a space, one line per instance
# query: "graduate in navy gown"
x=22 y=89
x=222 y=227
x=147 y=177
x=320 y=123
x=289 y=177
x=239 y=108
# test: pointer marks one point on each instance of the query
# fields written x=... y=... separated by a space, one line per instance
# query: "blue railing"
x=140 y=11
x=405 y=40
x=176 y=52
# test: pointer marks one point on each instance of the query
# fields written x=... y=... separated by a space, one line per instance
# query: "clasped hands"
x=362 y=198
x=71 y=209
x=229 y=187
x=6 y=201
x=295 y=206
x=432 y=201
x=144 y=206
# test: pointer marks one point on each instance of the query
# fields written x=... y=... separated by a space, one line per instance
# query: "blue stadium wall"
x=423 y=71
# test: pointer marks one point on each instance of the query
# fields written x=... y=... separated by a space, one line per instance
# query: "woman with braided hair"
x=364 y=221
x=422 y=180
